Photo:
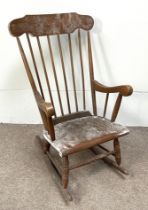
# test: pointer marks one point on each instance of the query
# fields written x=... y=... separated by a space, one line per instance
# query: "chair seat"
x=76 y=133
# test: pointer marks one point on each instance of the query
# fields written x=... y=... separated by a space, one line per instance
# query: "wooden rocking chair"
x=70 y=126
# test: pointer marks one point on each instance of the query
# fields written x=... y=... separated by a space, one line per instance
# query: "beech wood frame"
x=66 y=23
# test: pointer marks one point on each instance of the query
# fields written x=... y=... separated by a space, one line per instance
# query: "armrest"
x=47 y=108
x=124 y=90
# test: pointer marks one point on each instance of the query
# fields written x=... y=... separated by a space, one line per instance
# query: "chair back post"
x=28 y=71
x=91 y=70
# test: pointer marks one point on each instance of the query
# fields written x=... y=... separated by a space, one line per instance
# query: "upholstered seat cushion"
x=73 y=133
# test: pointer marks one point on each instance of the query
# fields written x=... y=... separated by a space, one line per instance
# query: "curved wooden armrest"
x=47 y=108
x=124 y=90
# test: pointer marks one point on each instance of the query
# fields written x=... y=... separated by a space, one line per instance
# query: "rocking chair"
x=70 y=125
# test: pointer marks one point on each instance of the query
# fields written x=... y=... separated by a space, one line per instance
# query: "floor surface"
x=28 y=181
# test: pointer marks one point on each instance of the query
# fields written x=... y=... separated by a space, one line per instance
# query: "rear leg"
x=44 y=144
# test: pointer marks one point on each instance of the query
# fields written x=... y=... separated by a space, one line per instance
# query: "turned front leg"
x=65 y=171
x=117 y=151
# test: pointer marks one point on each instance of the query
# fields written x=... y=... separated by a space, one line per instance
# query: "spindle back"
x=55 y=65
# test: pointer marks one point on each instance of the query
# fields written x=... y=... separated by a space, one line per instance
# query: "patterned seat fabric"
x=73 y=132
